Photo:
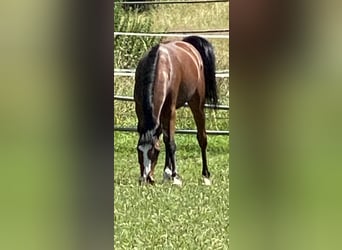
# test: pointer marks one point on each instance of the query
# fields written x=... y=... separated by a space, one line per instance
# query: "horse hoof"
x=142 y=181
x=177 y=181
x=150 y=180
x=206 y=181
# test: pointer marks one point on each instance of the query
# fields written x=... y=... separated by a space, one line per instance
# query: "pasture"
x=164 y=216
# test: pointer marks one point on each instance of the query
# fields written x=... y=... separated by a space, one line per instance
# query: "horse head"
x=148 y=150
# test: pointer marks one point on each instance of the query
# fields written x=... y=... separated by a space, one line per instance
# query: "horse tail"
x=145 y=76
x=206 y=51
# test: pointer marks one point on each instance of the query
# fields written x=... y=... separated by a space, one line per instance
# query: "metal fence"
x=178 y=131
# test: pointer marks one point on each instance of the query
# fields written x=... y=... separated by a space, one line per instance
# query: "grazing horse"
x=168 y=76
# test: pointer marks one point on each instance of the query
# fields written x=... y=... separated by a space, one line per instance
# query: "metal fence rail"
x=194 y=31
x=172 y=2
x=131 y=99
x=168 y=35
x=178 y=131
x=131 y=72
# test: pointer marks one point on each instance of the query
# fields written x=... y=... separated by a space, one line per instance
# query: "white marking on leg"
x=147 y=162
x=206 y=181
x=167 y=174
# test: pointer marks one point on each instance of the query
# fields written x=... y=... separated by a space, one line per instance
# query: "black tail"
x=208 y=57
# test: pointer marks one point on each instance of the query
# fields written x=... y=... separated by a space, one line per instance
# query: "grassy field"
x=164 y=216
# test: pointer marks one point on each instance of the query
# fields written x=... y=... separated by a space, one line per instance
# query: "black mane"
x=145 y=77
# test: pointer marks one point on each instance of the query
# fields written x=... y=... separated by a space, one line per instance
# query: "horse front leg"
x=170 y=169
x=175 y=176
x=167 y=168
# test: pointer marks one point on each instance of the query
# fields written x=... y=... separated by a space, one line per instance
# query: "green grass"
x=164 y=216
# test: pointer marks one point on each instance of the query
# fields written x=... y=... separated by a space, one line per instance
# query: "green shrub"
x=129 y=49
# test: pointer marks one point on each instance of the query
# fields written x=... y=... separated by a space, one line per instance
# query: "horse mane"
x=206 y=51
x=145 y=77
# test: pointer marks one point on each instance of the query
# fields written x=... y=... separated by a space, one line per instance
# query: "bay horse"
x=168 y=76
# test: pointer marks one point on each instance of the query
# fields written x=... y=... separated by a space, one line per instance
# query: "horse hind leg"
x=199 y=117
x=202 y=140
